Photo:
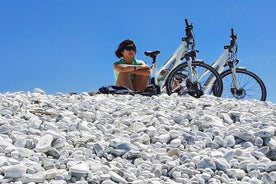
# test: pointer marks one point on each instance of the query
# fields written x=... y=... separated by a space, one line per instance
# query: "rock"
x=14 y=171
x=271 y=142
x=266 y=178
x=5 y=128
x=229 y=141
x=173 y=152
x=266 y=133
x=39 y=177
x=40 y=91
x=206 y=163
x=6 y=112
x=271 y=167
x=133 y=154
x=222 y=164
x=135 y=139
x=227 y=118
x=256 y=166
x=271 y=154
x=258 y=141
x=126 y=146
x=44 y=143
x=117 y=178
x=175 y=143
x=246 y=136
x=229 y=155
x=164 y=138
x=238 y=173
x=80 y=169
x=99 y=149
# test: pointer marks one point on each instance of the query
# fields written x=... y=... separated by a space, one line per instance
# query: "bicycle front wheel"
x=206 y=80
x=252 y=87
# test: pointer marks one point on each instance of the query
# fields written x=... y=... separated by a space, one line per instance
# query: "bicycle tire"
x=252 y=86
x=181 y=72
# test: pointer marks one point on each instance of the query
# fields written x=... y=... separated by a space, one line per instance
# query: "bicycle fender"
x=242 y=67
x=198 y=60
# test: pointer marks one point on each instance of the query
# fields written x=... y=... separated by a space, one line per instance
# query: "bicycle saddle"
x=152 y=54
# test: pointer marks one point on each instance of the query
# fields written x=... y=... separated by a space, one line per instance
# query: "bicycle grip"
x=232 y=32
x=186 y=21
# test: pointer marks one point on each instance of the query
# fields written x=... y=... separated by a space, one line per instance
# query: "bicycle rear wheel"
x=252 y=87
x=204 y=77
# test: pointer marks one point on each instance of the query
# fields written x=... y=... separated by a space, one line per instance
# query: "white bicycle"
x=238 y=82
x=182 y=73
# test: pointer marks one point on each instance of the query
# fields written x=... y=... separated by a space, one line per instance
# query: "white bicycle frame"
x=220 y=63
x=173 y=61
x=187 y=44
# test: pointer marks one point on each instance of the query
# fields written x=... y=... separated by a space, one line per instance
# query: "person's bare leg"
x=124 y=80
x=141 y=82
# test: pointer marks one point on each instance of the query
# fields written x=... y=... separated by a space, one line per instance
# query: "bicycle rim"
x=203 y=74
x=252 y=87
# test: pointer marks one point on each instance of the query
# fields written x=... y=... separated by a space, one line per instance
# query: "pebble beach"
x=108 y=139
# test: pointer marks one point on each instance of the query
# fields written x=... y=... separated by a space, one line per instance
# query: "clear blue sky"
x=68 y=45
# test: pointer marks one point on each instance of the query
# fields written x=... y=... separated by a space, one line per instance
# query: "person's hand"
x=144 y=70
x=143 y=67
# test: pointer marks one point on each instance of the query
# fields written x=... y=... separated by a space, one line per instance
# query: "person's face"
x=129 y=51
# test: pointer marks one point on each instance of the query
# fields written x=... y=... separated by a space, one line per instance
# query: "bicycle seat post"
x=153 y=55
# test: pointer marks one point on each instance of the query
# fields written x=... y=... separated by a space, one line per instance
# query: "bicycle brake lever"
x=237 y=61
x=226 y=47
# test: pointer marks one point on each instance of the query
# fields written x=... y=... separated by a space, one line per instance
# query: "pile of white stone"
x=136 y=139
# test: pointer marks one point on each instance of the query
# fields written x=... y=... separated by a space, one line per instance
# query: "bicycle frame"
x=228 y=58
x=218 y=65
x=168 y=77
x=173 y=61
x=188 y=43
x=238 y=77
x=184 y=55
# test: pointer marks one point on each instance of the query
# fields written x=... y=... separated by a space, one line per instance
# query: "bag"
x=113 y=89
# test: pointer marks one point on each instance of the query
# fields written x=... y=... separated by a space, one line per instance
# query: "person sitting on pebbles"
x=128 y=71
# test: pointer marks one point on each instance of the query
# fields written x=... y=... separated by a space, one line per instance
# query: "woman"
x=129 y=72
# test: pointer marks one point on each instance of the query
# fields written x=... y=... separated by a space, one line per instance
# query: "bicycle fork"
x=190 y=71
x=194 y=87
x=234 y=79
x=236 y=88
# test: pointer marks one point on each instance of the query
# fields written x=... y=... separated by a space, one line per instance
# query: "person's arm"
x=135 y=69
x=123 y=67
x=142 y=70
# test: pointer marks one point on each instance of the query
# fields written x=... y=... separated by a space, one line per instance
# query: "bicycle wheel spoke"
x=251 y=86
x=202 y=81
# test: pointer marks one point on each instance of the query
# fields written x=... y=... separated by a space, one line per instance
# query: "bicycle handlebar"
x=233 y=38
x=188 y=30
x=189 y=34
x=232 y=41
x=186 y=21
